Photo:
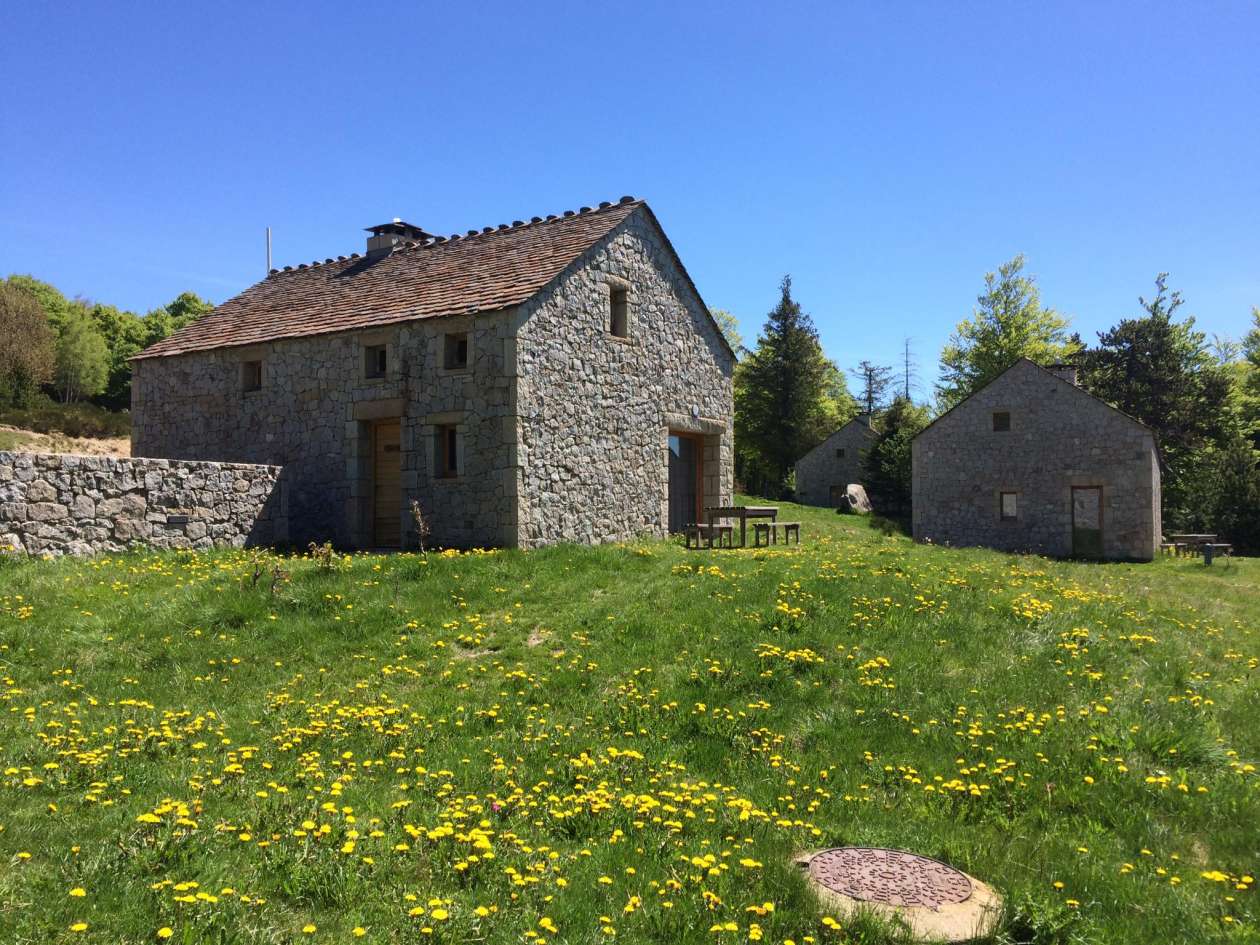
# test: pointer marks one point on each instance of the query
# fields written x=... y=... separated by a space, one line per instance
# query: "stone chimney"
x=387 y=237
x=1064 y=371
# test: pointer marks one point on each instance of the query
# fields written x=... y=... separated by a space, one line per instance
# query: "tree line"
x=1200 y=397
x=74 y=349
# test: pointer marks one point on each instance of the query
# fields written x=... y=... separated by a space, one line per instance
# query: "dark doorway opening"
x=1087 y=522
x=686 y=490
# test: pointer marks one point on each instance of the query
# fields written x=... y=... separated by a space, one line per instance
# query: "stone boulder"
x=855 y=501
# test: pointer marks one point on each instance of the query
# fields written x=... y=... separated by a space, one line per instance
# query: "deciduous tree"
x=730 y=329
x=1008 y=323
x=82 y=358
x=26 y=345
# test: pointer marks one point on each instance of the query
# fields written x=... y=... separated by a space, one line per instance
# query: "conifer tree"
x=788 y=398
x=886 y=465
x=1161 y=372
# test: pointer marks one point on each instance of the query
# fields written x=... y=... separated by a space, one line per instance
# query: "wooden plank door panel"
x=387 y=484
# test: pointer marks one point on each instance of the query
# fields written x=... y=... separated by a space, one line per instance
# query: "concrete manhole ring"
x=935 y=900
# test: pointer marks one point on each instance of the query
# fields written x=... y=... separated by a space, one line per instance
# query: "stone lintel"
x=379 y=409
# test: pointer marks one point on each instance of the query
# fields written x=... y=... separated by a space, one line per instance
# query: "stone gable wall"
x=595 y=410
x=1060 y=437
x=58 y=504
x=819 y=469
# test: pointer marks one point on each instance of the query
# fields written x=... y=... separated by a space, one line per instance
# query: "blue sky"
x=886 y=155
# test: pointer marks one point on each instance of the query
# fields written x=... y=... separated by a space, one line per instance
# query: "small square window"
x=375 y=361
x=1001 y=421
x=455 y=351
x=251 y=375
x=446 y=452
x=1009 y=505
x=840 y=453
x=619 y=312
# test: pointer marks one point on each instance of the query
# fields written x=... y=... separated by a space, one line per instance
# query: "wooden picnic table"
x=743 y=513
x=1191 y=541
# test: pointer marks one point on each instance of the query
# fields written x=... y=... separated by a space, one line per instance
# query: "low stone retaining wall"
x=57 y=504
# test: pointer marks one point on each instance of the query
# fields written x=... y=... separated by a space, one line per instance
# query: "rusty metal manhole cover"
x=890 y=877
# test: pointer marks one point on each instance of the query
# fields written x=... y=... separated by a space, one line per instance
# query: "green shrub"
x=79 y=419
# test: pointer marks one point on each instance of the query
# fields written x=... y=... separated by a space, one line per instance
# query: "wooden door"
x=387 y=484
x=1087 y=521
x=685 y=496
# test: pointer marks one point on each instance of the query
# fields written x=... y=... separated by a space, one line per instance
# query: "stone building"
x=553 y=380
x=1033 y=463
x=823 y=473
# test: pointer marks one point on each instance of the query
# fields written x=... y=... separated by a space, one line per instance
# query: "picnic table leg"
x=743 y=531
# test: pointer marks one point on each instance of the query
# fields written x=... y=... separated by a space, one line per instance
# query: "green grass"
x=628 y=738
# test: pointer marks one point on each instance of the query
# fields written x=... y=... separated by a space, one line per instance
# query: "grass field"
x=621 y=744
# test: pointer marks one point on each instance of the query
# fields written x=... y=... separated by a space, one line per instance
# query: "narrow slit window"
x=375 y=361
x=1001 y=421
x=619 y=314
x=251 y=376
x=455 y=356
x=446 y=452
x=1009 y=505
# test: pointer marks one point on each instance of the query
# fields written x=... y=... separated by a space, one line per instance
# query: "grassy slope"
x=605 y=739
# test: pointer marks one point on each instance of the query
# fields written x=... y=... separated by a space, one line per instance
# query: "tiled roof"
x=481 y=271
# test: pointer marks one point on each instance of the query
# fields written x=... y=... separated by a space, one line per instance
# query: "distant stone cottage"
x=824 y=472
x=553 y=380
x=1033 y=463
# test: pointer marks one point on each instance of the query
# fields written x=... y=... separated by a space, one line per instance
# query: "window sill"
x=620 y=339
x=453 y=371
x=447 y=480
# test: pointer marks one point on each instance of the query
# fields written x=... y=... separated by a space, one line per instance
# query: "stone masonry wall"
x=1059 y=437
x=820 y=469
x=562 y=427
x=314 y=415
x=595 y=410
x=57 y=504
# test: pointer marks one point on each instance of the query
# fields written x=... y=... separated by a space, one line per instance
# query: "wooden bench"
x=767 y=533
x=704 y=536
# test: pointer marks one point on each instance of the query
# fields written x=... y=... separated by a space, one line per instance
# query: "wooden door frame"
x=697 y=440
